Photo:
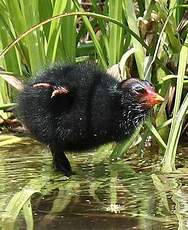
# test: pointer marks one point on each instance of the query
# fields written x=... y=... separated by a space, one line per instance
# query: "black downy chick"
x=76 y=107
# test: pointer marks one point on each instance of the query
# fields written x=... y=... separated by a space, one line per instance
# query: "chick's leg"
x=60 y=161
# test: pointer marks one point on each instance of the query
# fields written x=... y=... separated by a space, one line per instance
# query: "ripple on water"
x=101 y=195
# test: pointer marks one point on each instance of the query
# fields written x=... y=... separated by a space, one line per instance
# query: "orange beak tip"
x=159 y=99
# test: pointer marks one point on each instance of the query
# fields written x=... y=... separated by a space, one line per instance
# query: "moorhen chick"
x=76 y=107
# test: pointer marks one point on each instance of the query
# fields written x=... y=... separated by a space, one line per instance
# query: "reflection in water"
x=101 y=195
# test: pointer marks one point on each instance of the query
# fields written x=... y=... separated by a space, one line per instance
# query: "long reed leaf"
x=24 y=34
x=115 y=32
x=55 y=31
x=132 y=22
x=178 y=114
x=93 y=36
x=18 y=201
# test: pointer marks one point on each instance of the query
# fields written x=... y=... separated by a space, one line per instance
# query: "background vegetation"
x=129 y=38
x=144 y=39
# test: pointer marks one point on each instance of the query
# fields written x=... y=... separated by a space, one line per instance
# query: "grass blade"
x=18 y=201
x=132 y=22
x=178 y=114
x=93 y=36
x=121 y=148
x=115 y=32
x=55 y=31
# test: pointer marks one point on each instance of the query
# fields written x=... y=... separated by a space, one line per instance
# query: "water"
x=126 y=194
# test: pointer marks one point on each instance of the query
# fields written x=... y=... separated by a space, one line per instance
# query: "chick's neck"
x=127 y=115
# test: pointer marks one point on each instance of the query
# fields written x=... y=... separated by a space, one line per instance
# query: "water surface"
x=126 y=194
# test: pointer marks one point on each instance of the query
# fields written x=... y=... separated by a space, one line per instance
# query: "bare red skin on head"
x=151 y=98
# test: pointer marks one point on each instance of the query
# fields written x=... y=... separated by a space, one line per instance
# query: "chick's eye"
x=140 y=90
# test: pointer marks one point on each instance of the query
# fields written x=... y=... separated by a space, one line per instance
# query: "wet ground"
x=127 y=194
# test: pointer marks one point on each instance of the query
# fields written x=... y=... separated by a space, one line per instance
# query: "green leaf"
x=178 y=113
x=133 y=24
